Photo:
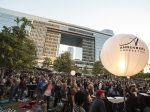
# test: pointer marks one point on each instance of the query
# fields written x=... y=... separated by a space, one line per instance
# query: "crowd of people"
x=73 y=93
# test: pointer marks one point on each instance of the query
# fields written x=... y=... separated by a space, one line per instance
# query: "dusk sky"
x=121 y=16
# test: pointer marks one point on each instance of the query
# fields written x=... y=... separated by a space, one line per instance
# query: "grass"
x=15 y=106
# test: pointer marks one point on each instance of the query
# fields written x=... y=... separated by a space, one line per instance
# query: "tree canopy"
x=63 y=63
x=85 y=70
x=17 y=51
x=46 y=63
x=97 y=68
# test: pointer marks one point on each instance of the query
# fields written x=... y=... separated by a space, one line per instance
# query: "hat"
x=99 y=92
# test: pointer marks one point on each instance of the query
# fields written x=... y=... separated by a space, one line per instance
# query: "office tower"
x=49 y=35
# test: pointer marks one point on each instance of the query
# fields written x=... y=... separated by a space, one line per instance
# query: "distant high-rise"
x=71 y=50
x=49 y=34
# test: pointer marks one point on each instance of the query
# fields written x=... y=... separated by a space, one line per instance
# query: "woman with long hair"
x=133 y=92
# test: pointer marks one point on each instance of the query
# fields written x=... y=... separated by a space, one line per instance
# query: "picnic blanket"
x=28 y=106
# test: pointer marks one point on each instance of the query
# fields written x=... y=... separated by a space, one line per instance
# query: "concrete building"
x=49 y=35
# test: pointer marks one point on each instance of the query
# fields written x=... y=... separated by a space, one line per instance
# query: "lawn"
x=15 y=106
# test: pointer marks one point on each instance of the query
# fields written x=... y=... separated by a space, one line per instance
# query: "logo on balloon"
x=135 y=40
x=131 y=44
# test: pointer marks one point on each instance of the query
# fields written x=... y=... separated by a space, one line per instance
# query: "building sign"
x=80 y=31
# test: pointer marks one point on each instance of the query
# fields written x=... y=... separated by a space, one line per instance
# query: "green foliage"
x=63 y=63
x=76 y=69
x=17 y=50
x=46 y=63
x=141 y=75
x=97 y=68
x=85 y=70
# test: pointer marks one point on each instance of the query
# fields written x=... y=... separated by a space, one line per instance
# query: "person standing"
x=79 y=100
x=64 y=92
x=111 y=91
x=57 y=93
x=2 y=87
x=47 y=92
x=11 y=84
x=133 y=92
x=22 y=88
x=73 y=92
x=16 y=81
x=100 y=85
x=98 y=104
x=39 y=90
x=88 y=99
x=82 y=85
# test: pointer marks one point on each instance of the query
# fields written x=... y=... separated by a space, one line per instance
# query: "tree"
x=63 y=63
x=17 y=50
x=106 y=72
x=85 y=70
x=76 y=68
x=97 y=68
x=47 y=62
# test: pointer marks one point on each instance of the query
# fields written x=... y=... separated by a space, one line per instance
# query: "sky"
x=121 y=16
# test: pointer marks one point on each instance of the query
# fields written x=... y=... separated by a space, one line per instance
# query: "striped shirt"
x=78 y=108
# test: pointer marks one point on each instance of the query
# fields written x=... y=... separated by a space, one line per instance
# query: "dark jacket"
x=98 y=105
x=57 y=91
x=22 y=85
x=63 y=93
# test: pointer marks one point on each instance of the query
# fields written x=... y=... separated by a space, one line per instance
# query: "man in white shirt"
x=100 y=85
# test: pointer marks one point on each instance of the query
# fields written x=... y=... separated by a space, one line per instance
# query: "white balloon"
x=73 y=72
x=128 y=77
x=124 y=55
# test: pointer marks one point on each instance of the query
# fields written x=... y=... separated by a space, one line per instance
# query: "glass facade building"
x=49 y=34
